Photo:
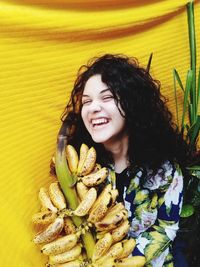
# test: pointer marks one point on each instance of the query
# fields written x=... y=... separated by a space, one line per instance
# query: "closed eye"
x=86 y=101
x=107 y=97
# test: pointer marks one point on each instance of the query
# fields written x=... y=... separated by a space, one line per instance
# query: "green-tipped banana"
x=67 y=182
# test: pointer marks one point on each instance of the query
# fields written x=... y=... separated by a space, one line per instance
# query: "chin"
x=99 y=139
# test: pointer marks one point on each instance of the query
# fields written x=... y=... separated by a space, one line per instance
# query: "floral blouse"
x=154 y=211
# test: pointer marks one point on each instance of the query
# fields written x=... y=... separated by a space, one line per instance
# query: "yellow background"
x=42 y=45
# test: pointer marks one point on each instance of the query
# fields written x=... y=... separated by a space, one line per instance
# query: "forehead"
x=94 y=85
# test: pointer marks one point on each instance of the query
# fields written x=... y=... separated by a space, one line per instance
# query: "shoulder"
x=169 y=174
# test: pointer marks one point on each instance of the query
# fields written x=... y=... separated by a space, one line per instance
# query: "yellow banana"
x=50 y=233
x=128 y=247
x=105 y=200
x=100 y=227
x=69 y=226
x=57 y=196
x=101 y=234
x=113 y=252
x=44 y=217
x=86 y=204
x=105 y=227
x=82 y=156
x=81 y=190
x=75 y=263
x=60 y=245
x=96 y=178
x=107 y=189
x=104 y=262
x=121 y=231
x=135 y=261
x=72 y=158
x=67 y=256
x=101 y=205
x=97 y=167
x=102 y=246
x=113 y=218
x=45 y=200
x=89 y=162
x=116 y=208
x=114 y=195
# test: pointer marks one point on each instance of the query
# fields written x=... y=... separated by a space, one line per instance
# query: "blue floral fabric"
x=154 y=211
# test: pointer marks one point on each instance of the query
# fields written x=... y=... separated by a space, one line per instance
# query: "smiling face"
x=100 y=113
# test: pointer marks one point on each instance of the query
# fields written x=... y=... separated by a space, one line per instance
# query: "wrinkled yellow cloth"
x=42 y=45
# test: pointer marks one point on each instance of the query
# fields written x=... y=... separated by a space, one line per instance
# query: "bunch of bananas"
x=81 y=222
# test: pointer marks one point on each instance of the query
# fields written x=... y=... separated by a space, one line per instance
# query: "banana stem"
x=67 y=184
x=65 y=178
x=89 y=244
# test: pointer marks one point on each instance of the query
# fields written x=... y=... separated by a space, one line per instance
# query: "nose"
x=95 y=106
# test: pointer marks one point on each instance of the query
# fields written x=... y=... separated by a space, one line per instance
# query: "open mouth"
x=99 y=122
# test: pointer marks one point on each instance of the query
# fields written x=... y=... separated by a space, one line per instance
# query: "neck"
x=119 y=151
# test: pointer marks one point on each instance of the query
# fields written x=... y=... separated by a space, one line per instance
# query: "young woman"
x=116 y=106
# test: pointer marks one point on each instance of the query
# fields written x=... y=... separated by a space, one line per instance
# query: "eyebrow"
x=103 y=91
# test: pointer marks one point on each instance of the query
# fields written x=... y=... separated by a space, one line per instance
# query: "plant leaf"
x=187 y=210
x=195 y=131
x=196 y=173
x=175 y=95
x=198 y=94
x=192 y=37
x=188 y=86
x=176 y=75
x=194 y=168
x=192 y=41
x=191 y=113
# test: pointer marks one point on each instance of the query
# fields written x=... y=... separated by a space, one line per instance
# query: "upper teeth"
x=98 y=121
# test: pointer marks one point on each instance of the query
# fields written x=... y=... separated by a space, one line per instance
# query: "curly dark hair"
x=153 y=137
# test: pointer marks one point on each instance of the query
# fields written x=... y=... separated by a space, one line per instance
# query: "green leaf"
x=188 y=86
x=183 y=128
x=187 y=210
x=187 y=127
x=195 y=131
x=196 y=173
x=175 y=95
x=176 y=75
x=191 y=113
x=194 y=168
x=191 y=31
x=192 y=41
x=198 y=94
x=196 y=199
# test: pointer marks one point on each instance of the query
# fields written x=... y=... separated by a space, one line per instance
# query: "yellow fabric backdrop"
x=42 y=45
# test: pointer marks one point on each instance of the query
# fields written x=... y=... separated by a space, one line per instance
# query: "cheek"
x=119 y=119
x=83 y=115
x=119 y=113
